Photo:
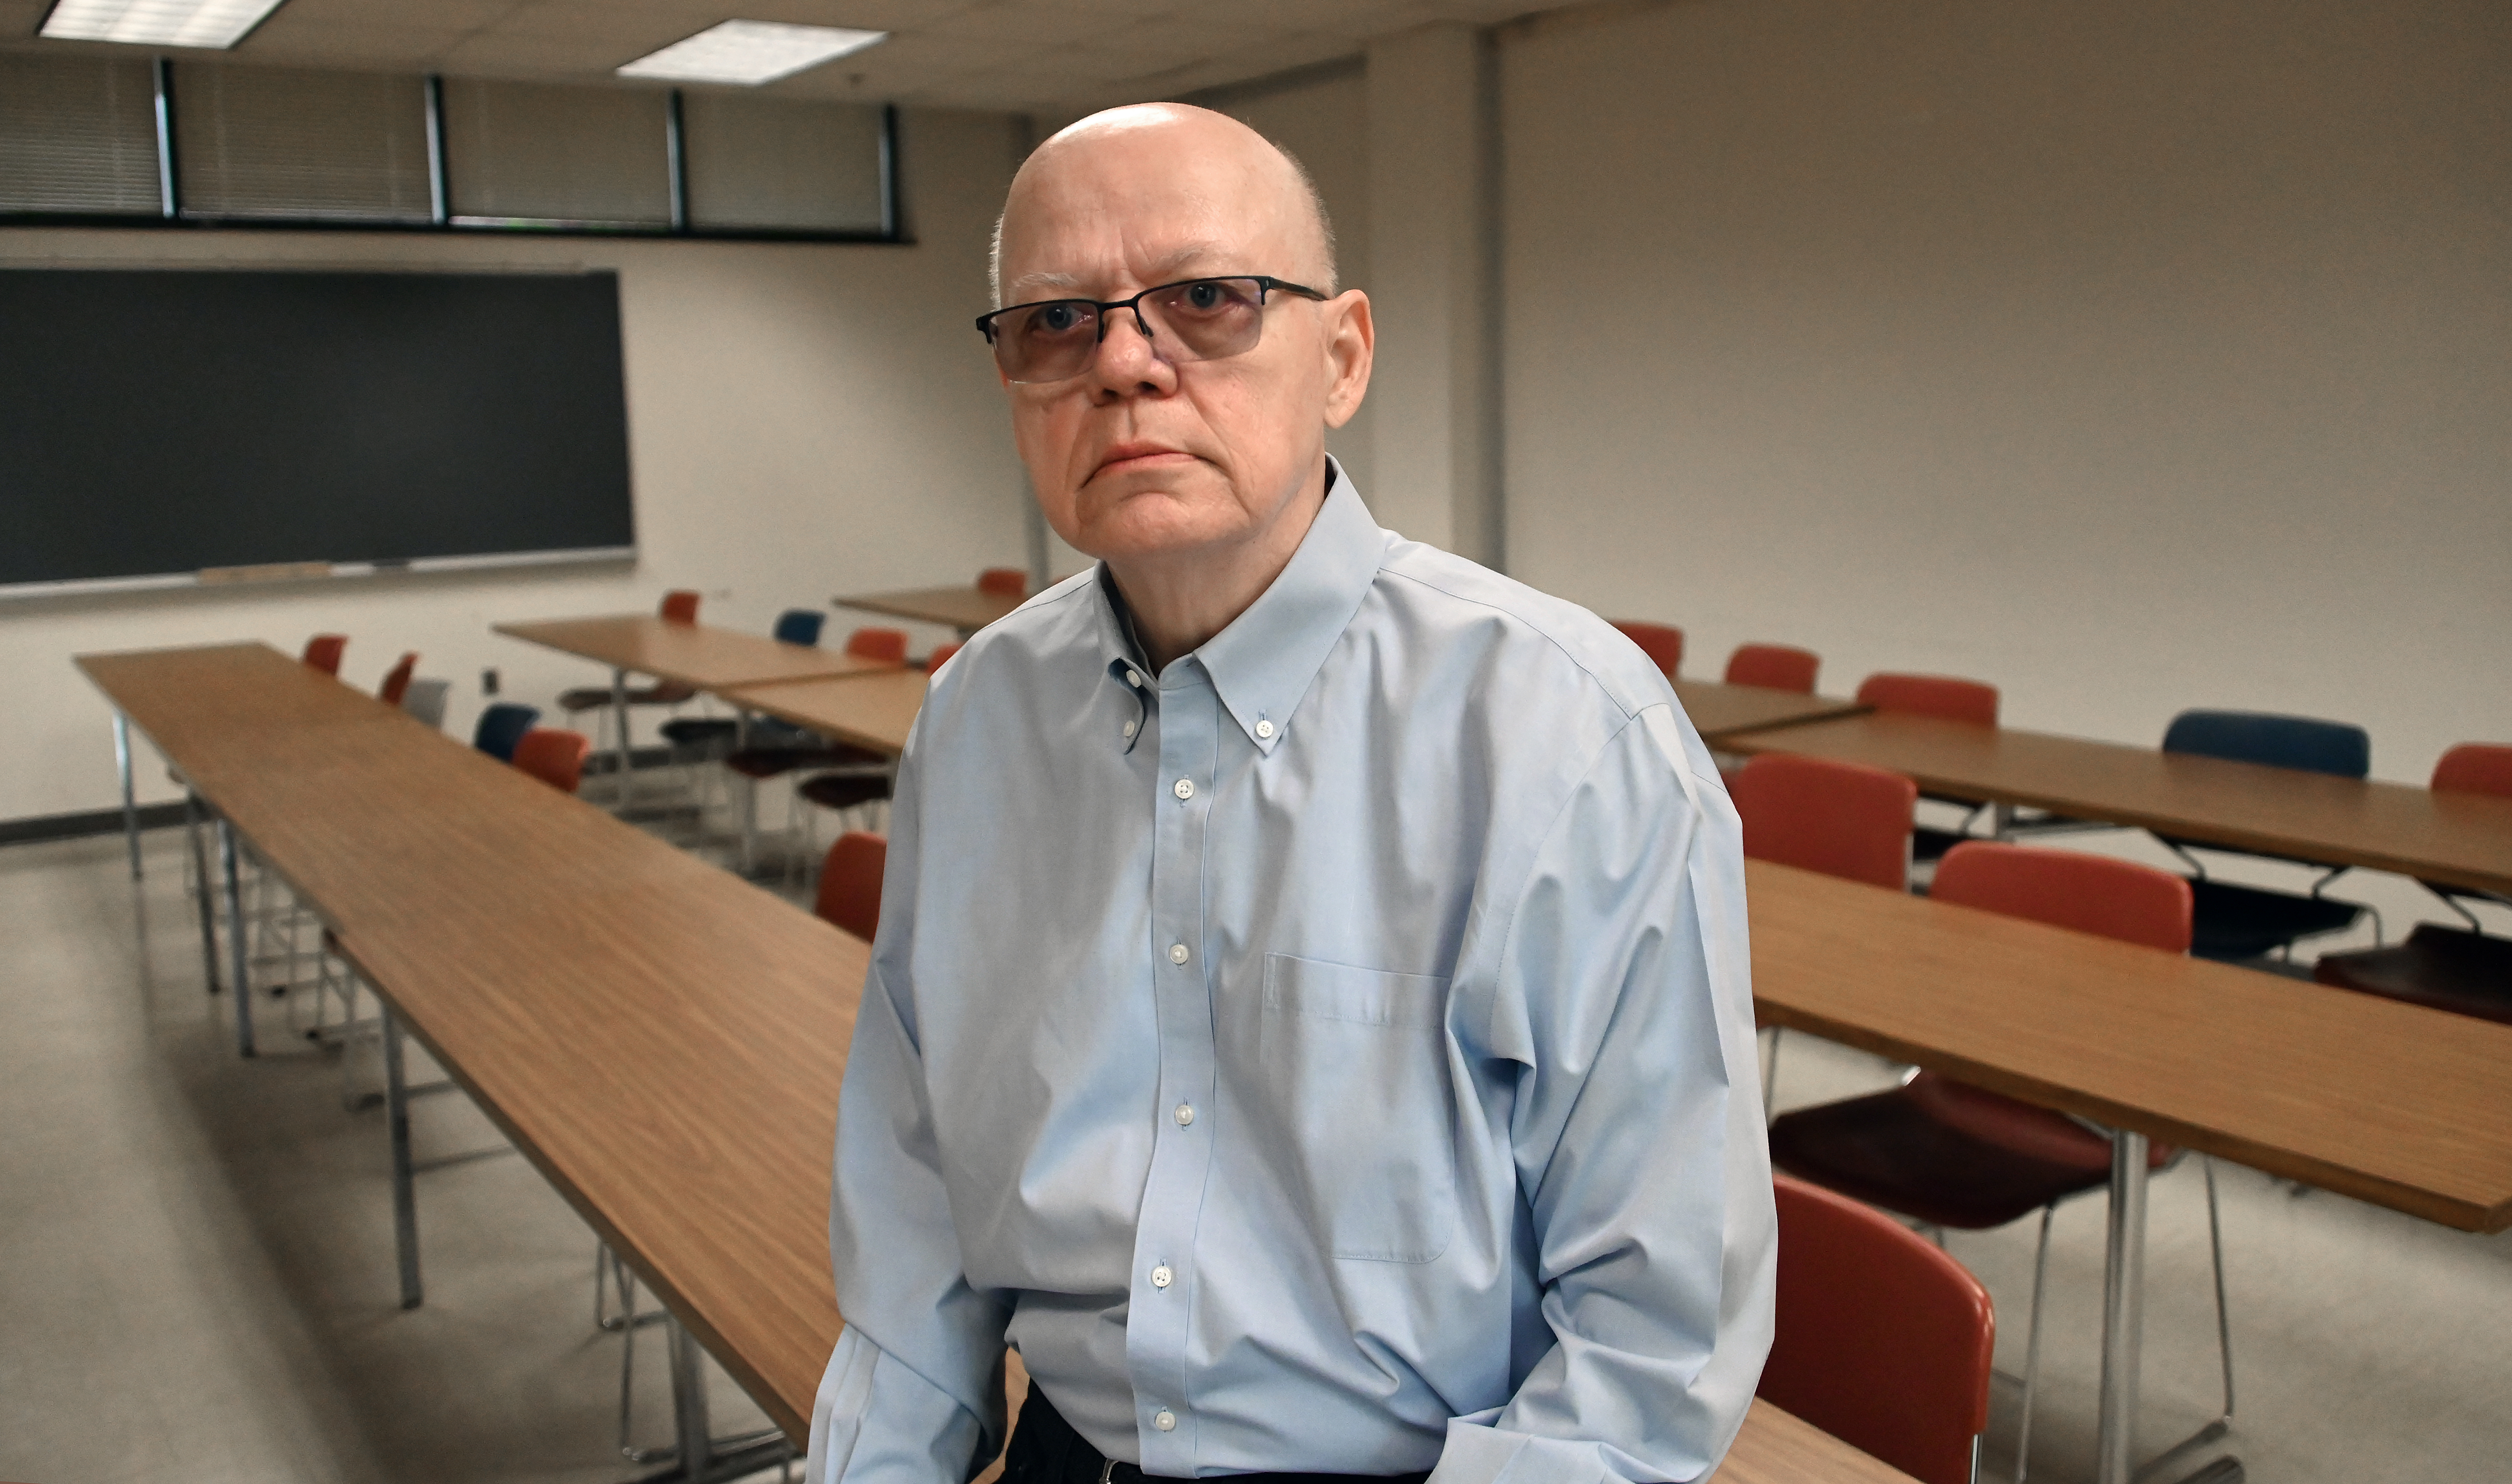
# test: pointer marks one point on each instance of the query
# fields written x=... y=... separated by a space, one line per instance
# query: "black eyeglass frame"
x=1266 y=285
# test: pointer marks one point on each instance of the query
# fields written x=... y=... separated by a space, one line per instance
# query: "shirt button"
x=1178 y=953
x=1161 y=1276
x=1129 y=727
x=1185 y=1114
x=1133 y=677
x=1185 y=788
x=1264 y=729
x=1164 y=1420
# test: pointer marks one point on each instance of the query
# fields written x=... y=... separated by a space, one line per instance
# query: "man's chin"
x=1154 y=520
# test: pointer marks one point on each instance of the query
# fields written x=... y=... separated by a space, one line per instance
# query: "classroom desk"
x=1718 y=710
x=2385 y=1102
x=2464 y=839
x=871 y=711
x=964 y=608
x=694 y=654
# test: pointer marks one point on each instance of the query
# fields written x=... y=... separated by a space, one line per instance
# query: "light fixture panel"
x=217 y=23
x=751 y=52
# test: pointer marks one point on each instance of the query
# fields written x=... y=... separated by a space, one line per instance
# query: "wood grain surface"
x=965 y=609
x=1718 y=709
x=871 y=711
x=691 y=654
x=2391 y=1103
x=2463 y=838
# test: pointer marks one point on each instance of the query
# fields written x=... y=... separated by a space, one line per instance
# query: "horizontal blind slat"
x=783 y=164
x=77 y=133
x=549 y=152
x=272 y=141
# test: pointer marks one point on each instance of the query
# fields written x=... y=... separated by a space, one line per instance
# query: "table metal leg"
x=689 y=1421
x=204 y=896
x=238 y=945
x=129 y=799
x=619 y=720
x=403 y=1191
x=2123 y=1310
x=749 y=791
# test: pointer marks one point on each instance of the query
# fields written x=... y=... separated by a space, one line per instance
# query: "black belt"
x=1046 y=1450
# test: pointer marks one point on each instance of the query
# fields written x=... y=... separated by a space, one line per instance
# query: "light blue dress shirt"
x=1332 y=1054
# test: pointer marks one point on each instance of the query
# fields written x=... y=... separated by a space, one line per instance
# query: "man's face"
x=1139 y=458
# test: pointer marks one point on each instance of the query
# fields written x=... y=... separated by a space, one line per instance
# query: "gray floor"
x=196 y=1274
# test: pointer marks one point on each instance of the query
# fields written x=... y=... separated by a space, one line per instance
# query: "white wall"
x=2131 y=357
x=804 y=421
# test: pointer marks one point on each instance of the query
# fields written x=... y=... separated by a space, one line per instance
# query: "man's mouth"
x=1131 y=457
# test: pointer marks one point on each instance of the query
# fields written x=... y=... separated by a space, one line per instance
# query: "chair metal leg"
x=628 y=1322
x=129 y=796
x=238 y=940
x=199 y=859
x=405 y=1192
x=2227 y=1469
x=689 y=1421
x=2032 y=1347
x=2123 y=1310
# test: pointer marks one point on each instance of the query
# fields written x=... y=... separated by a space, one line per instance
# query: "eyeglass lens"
x=1205 y=320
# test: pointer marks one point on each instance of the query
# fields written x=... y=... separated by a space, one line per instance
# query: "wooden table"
x=871 y=711
x=964 y=608
x=2464 y=839
x=692 y=654
x=1718 y=709
x=2389 y=1103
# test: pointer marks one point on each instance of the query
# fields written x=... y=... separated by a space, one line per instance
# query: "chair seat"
x=695 y=731
x=595 y=697
x=2444 y=968
x=776 y=761
x=1997 y=1161
x=843 y=791
x=2231 y=921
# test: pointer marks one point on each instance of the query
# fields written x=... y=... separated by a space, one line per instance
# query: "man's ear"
x=1351 y=340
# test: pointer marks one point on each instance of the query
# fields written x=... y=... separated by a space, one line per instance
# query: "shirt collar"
x=1261 y=664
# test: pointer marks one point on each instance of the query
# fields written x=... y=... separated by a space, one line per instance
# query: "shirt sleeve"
x=914 y=1393
x=1624 y=990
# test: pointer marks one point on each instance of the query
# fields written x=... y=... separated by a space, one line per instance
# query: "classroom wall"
x=2131 y=357
x=804 y=419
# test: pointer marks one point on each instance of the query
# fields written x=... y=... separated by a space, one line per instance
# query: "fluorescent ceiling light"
x=751 y=52
x=157 y=22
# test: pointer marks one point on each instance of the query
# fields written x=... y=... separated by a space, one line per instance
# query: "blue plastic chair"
x=501 y=728
x=2238 y=923
x=800 y=626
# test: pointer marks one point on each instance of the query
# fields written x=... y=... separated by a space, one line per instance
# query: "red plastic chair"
x=1004 y=582
x=1843 y=819
x=2444 y=968
x=2475 y=767
x=1932 y=695
x=555 y=756
x=1882 y=1340
x=1661 y=643
x=1950 y=1154
x=940 y=656
x=397 y=680
x=1776 y=667
x=324 y=650
x=680 y=605
x=886 y=644
x=849 y=892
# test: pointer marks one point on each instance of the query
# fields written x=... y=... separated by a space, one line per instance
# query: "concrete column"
x=1433 y=282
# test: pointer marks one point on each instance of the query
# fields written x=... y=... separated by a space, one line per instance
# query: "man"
x=1310 y=1017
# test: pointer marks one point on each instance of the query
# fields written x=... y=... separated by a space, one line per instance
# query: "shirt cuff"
x=875 y=1421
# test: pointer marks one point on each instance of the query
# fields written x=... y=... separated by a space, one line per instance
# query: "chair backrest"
x=425 y=700
x=397 y=680
x=1004 y=582
x=502 y=727
x=322 y=652
x=1932 y=695
x=850 y=883
x=555 y=756
x=800 y=626
x=888 y=644
x=680 y=605
x=2475 y=767
x=2066 y=888
x=1882 y=1340
x=940 y=656
x=2279 y=741
x=1779 y=667
x=1843 y=819
x=1661 y=643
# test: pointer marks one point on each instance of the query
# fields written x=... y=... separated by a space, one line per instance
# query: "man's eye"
x=1055 y=319
x=1205 y=295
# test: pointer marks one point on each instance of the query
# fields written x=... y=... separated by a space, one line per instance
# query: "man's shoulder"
x=1549 y=639
x=1060 y=618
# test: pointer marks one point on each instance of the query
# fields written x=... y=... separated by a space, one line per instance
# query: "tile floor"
x=196 y=1263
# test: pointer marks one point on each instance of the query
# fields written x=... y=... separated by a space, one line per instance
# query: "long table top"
x=1718 y=708
x=965 y=609
x=871 y=711
x=694 y=654
x=2395 y=1104
x=2461 y=839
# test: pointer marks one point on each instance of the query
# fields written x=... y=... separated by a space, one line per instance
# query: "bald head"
x=1122 y=163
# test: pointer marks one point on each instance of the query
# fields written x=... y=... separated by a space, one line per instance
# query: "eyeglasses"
x=1201 y=319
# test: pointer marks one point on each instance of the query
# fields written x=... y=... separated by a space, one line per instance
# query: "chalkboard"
x=169 y=426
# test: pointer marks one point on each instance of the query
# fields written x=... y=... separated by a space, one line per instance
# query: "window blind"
x=273 y=141
x=547 y=152
x=77 y=133
x=783 y=164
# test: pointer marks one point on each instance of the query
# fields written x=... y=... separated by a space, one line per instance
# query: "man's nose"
x=1128 y=361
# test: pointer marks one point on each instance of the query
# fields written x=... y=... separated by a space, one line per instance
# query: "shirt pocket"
x=1355 y=1062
